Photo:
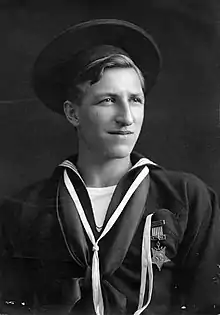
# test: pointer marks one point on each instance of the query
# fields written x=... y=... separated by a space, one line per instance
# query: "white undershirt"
x=100 y=199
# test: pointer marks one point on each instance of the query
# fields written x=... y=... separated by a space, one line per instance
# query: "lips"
x=121 y=132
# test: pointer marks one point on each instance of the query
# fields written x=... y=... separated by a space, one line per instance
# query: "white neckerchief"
x=146 y=261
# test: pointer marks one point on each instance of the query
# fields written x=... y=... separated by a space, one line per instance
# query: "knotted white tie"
x=96 y=284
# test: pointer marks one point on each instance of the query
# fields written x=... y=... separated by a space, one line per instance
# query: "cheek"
x=139 y=116
x=94 y=121
x=99 y=118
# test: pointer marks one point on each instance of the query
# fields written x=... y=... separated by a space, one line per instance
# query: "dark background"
x=182 y=123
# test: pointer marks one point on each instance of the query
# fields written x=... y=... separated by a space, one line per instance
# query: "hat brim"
x=137 y=43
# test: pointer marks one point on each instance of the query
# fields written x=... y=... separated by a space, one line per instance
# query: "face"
x=110 y=116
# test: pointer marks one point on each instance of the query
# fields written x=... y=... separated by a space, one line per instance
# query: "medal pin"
x=158 y=251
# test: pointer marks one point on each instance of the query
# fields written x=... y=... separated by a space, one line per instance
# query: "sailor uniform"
x=158 y=251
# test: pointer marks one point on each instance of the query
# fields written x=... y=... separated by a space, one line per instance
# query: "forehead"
x=118 y=80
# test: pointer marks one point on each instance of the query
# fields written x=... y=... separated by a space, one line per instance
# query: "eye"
x=136 y=99
x=107 y=100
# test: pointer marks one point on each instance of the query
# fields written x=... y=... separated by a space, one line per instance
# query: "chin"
x=119 y=152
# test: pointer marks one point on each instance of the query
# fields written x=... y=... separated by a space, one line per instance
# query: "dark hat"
x=75 y=47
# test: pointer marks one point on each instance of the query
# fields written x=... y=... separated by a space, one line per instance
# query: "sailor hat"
x=79 y=45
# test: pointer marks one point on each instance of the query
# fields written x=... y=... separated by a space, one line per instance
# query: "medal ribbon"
x=96 y=284
x=146 y=266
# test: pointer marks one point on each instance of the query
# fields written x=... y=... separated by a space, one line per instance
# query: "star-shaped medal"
x=159 y=256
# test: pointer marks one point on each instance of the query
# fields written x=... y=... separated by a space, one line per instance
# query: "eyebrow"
x=117 y=95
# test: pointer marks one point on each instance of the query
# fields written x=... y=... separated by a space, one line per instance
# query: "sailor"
x=111 y=232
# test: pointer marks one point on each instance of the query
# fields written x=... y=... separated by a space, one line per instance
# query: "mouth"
x=121 y=132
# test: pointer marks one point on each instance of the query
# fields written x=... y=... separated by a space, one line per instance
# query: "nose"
x=124 y=115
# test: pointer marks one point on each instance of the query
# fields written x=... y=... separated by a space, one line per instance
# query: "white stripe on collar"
x=141 y=162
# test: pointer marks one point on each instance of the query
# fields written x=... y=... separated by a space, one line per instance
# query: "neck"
x=98 y=173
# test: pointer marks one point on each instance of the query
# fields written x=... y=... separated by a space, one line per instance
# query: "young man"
x=110 y=232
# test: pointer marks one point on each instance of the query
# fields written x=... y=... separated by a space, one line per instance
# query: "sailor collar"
x=146 y=261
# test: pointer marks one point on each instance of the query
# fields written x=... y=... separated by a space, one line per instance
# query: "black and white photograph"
x=110 y=157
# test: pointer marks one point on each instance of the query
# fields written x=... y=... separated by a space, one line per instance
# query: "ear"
x=71 y=111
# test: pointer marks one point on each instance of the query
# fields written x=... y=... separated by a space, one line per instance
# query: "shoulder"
x=197 y=199
x=28 y=195
x=177 y=180
x=175 y=177
x=40 y=190
x=173 y=183
x=20 y=209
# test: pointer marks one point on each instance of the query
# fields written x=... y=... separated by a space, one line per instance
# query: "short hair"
x=93 y=73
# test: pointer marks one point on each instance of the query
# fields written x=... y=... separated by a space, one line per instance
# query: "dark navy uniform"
x=46 y=266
